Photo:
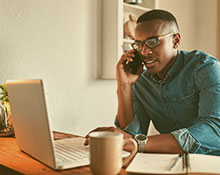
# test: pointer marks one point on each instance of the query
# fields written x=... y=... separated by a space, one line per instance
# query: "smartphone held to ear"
x=134 y=65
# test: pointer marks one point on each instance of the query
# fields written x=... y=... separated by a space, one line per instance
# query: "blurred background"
x=60 y=42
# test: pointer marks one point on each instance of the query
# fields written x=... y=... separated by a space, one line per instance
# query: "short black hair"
x=158 y=14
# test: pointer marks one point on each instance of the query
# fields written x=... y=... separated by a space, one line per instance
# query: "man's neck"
x=161 y=75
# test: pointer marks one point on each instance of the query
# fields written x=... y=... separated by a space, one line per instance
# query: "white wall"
x=59 y=41
x=207 y=25
x=197 y=21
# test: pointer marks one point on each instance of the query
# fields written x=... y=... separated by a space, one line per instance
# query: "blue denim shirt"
x=186 y=103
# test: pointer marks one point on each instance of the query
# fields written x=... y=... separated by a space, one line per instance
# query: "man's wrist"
x=141 y=141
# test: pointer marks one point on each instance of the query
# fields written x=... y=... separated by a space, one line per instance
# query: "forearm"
x=163 y=143
x=125 y=107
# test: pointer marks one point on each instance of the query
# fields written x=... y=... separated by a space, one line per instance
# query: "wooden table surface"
x=12 y=157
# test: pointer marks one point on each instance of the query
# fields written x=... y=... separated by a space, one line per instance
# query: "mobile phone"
x=134 y=65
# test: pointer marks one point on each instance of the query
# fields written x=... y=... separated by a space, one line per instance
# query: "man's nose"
x=145 y=50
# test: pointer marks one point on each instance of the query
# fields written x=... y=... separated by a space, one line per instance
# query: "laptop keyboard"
x=66 y=153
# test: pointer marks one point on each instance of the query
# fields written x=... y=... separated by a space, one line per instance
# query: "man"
x=179 y=92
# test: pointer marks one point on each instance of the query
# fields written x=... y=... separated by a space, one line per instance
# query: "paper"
x=161 y=164
x=155 y=164
x=204 y=163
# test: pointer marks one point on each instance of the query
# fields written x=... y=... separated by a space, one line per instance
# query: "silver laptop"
x=32 y=128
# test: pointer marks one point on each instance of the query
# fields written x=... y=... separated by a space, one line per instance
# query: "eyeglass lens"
x=150 y=43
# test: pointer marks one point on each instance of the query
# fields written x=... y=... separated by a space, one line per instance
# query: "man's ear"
x=176 y=40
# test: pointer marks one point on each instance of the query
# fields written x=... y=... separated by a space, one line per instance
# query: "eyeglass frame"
x=144 y=42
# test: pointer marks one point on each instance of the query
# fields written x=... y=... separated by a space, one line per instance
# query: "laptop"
x=32 y=128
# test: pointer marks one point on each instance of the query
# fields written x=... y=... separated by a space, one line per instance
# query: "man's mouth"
x=149 y=61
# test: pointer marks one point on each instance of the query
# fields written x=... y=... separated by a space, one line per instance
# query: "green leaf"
x=4 y=94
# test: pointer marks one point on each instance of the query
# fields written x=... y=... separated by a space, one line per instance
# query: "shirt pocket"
x=186 y=108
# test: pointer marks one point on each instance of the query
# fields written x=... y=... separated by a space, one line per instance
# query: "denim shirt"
x=186 y=103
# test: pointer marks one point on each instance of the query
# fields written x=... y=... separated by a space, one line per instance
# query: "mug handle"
x=132 y=154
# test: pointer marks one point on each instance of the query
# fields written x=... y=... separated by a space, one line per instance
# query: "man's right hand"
x=123 y=77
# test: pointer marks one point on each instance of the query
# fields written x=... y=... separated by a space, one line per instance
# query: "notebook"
x=32 y=128
x=196 y=164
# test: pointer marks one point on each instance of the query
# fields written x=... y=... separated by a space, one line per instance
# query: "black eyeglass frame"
x=145 y=42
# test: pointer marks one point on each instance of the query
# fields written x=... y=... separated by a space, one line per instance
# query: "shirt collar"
x=177 y=66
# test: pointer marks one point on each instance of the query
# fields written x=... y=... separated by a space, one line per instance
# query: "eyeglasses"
x=151 y=42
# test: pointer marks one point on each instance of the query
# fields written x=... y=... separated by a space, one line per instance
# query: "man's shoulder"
x=198 y=58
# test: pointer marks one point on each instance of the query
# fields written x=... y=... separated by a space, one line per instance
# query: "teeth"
x=150 y=61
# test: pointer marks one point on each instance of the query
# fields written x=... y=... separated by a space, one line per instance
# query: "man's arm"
x=125 y=108
x=124 y=86
x=163 y=143
x=203 y=136
x=159 y=143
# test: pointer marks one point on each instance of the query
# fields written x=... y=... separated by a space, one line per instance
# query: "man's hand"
x=123 y=77
x=128 y=147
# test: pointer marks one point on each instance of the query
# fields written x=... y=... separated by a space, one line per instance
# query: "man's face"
x=159 y=59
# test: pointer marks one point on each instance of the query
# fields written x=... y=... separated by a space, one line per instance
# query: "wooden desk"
x=12 y=157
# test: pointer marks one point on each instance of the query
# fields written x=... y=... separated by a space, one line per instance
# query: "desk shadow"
x=8 y=171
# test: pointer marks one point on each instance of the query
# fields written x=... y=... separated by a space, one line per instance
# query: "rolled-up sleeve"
x=204 y=136
x=187 y=142
x=132 y=128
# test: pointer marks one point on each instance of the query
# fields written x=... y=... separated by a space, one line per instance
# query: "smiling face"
x=161 y=58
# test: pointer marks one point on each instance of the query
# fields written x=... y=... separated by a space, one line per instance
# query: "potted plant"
x=6 y=128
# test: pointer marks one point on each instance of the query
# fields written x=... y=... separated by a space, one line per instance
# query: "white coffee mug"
x=106 y=152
